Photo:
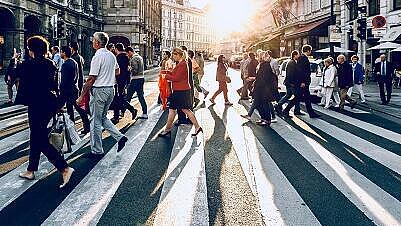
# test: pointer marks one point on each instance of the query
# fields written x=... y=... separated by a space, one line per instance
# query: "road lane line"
x=183 y=200
x=91 y=196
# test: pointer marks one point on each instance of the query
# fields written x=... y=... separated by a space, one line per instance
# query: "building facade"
x=136 y=23
x=21 y=19
x=186 y=25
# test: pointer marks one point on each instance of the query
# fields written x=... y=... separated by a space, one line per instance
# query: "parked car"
x=235 y=61
x=316 y=69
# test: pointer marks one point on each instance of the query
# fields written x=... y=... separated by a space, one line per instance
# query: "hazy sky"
x=199 y=3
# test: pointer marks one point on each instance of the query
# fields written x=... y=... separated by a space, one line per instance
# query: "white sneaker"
x=363 y=101
x=143 y=116
x=274 y=120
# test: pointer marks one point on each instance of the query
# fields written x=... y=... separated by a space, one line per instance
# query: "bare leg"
x=170 y=119
x=192 y=117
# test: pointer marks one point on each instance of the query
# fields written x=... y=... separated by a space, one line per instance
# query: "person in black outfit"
x=80 y=61
x=302 y=82
x=69 y=91
x=37 y=92
x=122 y=81
x=384 y=73
x=11 y=77
x=182 y=118
x=290 y=81
x=345 y=81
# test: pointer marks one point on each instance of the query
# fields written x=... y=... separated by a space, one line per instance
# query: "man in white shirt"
x=100 y=84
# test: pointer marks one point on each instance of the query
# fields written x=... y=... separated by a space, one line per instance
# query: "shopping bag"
x=85 y=102
x=59 y=136
x=164 y=88
x=72 y=132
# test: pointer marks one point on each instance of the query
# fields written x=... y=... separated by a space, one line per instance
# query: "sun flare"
x=230 y=16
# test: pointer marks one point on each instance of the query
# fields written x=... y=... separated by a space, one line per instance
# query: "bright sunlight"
x=230 y=16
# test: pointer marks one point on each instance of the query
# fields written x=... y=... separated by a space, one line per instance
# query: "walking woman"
x=222 y=78
x=180 y=98
x=328 y=82
x=37 y=84
x=263 y=89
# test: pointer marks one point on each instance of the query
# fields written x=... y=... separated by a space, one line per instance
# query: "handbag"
x=59 y=136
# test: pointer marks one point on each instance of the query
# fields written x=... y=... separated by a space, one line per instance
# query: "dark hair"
x=184 y=48
x=38 y=45
x=120 y=47
x=294 y=53
x=306 y=48
x=129 y=49
x=191 y=54
x=220 y=59
x=110 y=46
x=66 y=50
x=199 y=54
x=167 y=53
x=269 y=52
x=56 y=48
x=251 y=54
x=355 y=56
x=75 y=46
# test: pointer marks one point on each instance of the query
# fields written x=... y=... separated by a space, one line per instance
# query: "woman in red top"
x=180 y=98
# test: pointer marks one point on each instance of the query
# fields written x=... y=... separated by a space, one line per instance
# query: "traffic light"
x=60 y=29
x=361 y=28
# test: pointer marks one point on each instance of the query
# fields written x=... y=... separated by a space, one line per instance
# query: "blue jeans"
x=136 y=85
x=101 y=98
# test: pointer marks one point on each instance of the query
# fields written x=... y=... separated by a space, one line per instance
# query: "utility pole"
x=332 y=22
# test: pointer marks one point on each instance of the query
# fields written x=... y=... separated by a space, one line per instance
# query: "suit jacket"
x=292 y=74
x=344 y=73
x=304 y=69
x=389 y=71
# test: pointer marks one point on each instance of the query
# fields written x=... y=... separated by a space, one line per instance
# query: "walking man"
x=302 y=85
x=80 y=61
x=122 y=80
x=251 y=70
x=69 y=89
x=359 y=77
x=102 y=77
x=384 y=71
x=244 y=74
x=345 y=81
x=136 y=84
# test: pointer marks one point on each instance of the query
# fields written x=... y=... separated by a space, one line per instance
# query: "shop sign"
x=335 y=33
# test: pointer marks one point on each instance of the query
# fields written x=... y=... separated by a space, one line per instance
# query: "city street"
x=341 y=169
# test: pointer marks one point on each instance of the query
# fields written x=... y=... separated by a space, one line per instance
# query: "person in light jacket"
x=328 y=82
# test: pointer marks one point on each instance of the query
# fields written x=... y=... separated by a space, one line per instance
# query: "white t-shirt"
x=103 y=67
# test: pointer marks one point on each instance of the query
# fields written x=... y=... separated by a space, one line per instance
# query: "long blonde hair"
x=181 y=52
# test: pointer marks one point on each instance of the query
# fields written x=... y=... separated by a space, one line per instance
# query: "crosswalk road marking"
x=282 y=194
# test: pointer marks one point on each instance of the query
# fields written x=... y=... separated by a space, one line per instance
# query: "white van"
x=316 y=69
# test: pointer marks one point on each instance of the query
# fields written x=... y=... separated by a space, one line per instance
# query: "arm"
x=177 y=74
x=88 y=85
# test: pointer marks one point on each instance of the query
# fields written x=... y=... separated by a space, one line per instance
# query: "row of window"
x=173 y=14
x=372 y=9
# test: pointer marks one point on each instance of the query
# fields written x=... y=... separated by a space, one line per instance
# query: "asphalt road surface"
x=341 y=169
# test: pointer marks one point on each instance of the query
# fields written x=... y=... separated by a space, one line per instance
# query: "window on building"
x=353 y=10
x=397 y=4
x=374 y=7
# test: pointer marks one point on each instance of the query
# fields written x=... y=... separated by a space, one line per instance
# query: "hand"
x=303 y=85
x=79 y=100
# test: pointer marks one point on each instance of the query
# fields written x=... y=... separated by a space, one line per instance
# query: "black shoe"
x=91 y=155
x=134 y=113
x=383 y=103
x=278 y=110
x=115 y=120
x=353 y=105
x=298 y=113
x=121 y=143
x=197 y=132
x=314 y=116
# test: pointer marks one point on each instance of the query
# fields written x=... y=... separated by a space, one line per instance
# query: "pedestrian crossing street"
x=341 y=169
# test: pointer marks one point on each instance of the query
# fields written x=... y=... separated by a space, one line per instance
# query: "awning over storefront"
x=265 y=40
x=391 y=35
x=306 y=29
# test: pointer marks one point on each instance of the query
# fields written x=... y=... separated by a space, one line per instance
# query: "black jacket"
x=123 y=63
x=292 y=74
x=80 y=61
x=345 y=78
x=265 y=82
x=389 y=71
x=68 y=84
x=304 y=69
